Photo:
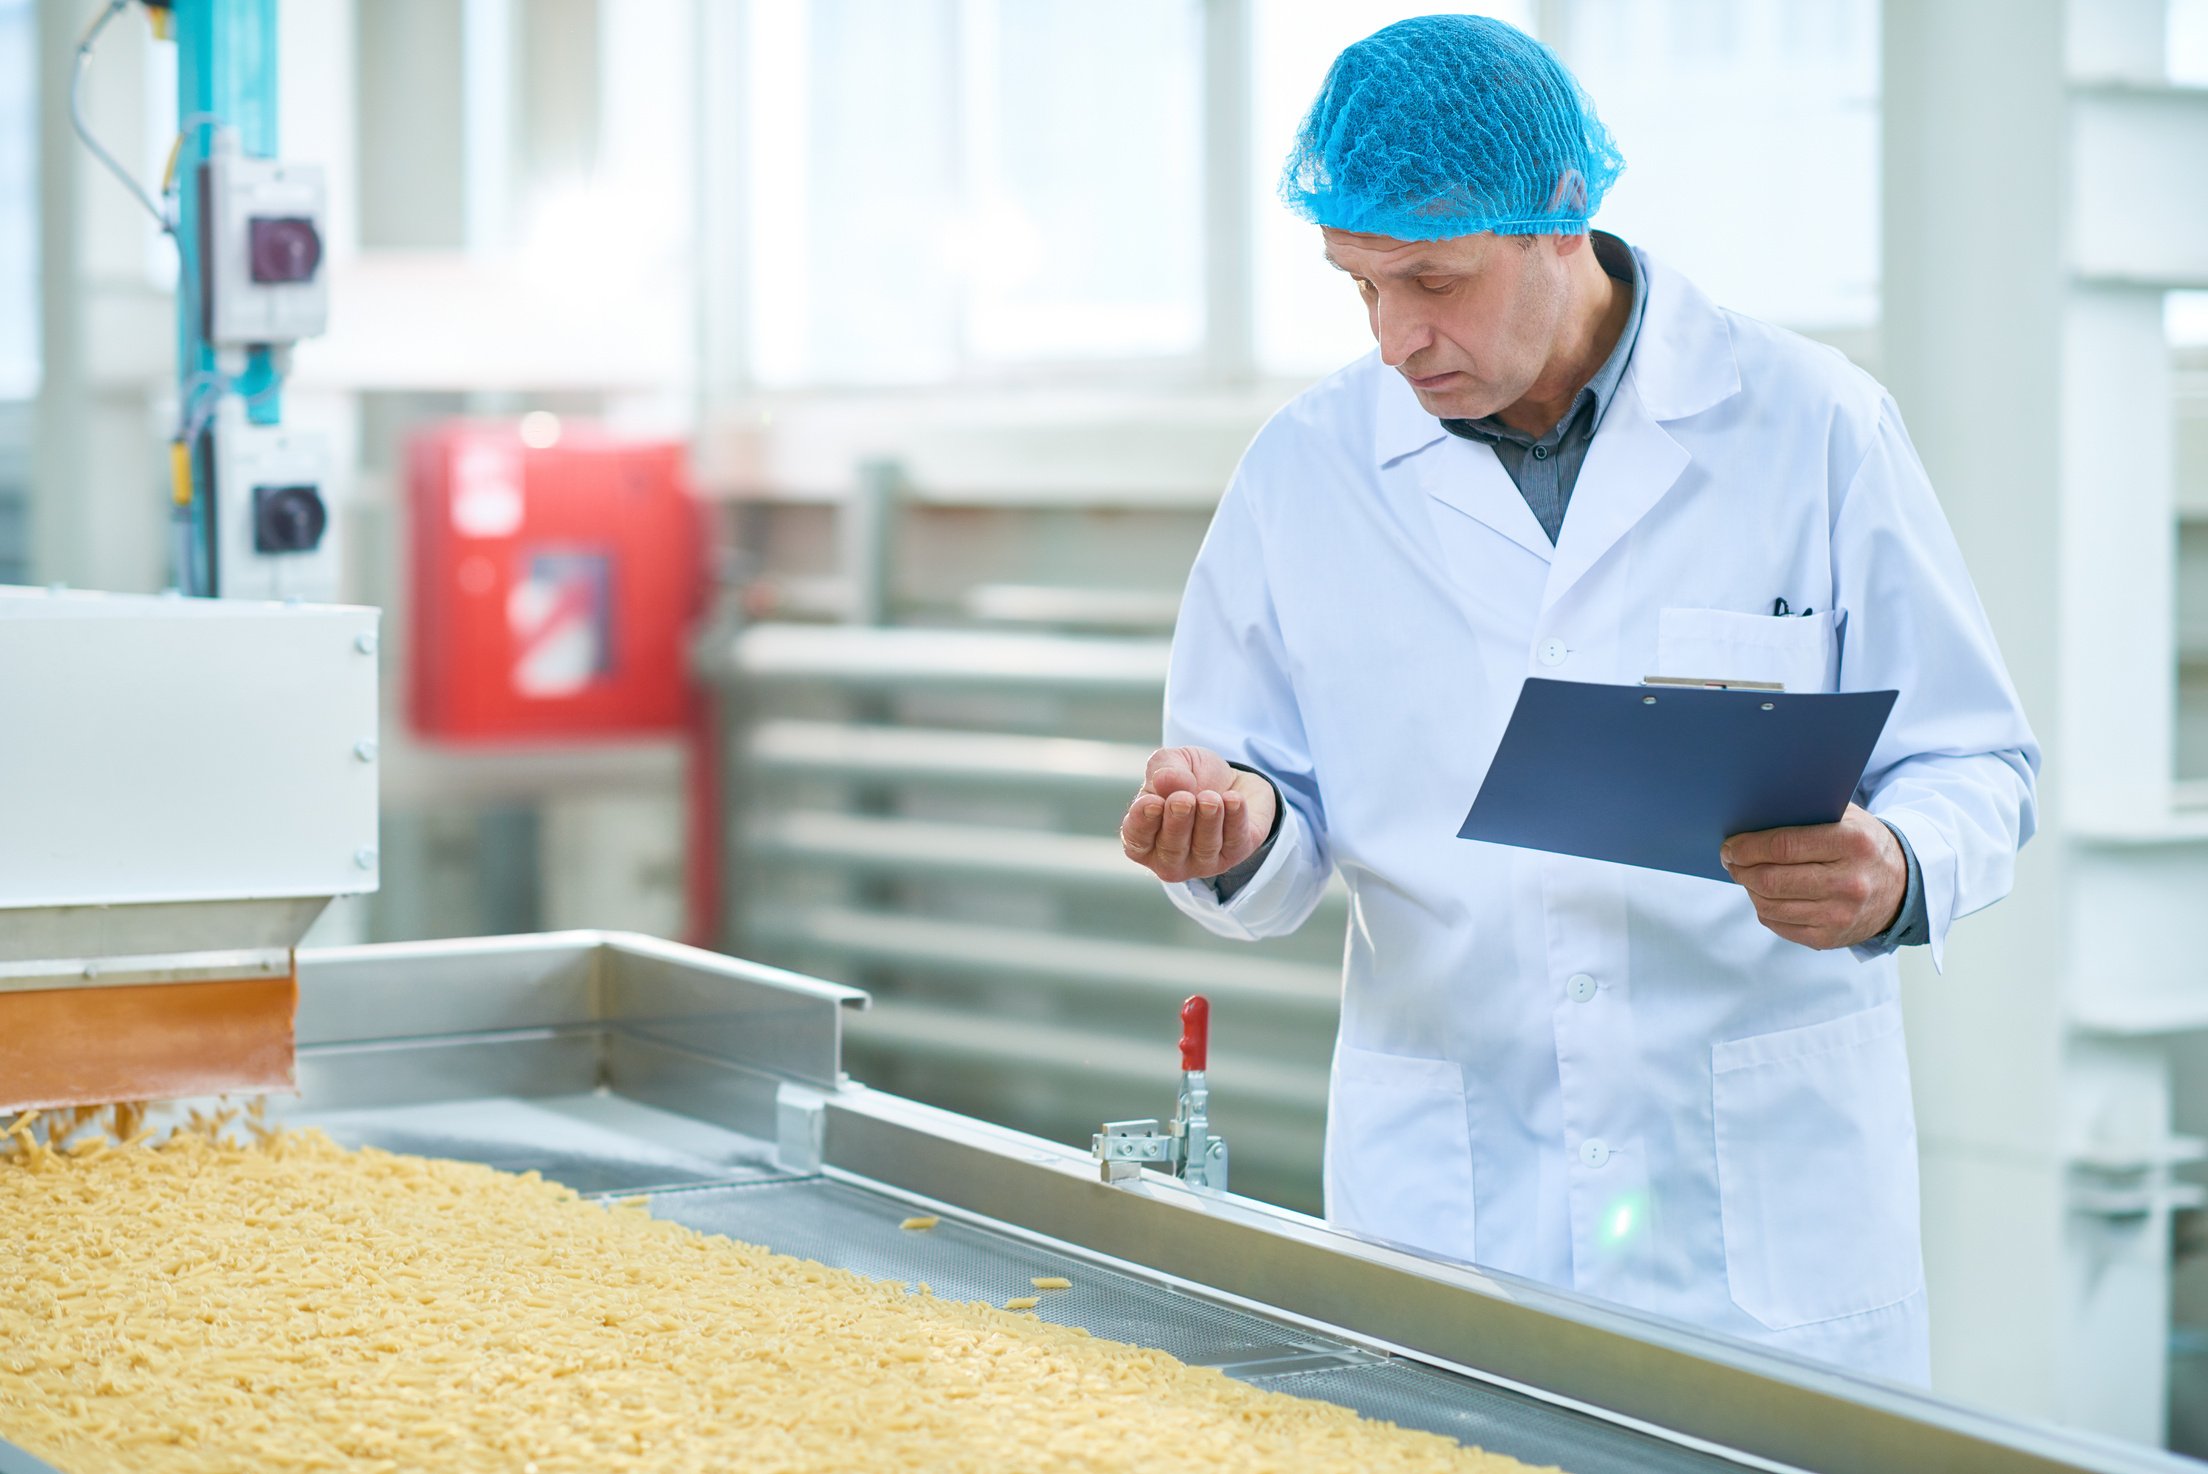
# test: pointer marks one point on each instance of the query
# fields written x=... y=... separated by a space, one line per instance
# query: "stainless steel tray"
x=622 y=1065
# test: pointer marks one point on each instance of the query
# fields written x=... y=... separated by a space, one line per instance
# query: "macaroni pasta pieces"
x=201 y=1305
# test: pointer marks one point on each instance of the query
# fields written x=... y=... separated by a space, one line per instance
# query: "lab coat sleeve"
x=1228 y=689
x=1956 y=767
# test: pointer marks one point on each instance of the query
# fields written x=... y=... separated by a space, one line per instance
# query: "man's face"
x=1469 y=321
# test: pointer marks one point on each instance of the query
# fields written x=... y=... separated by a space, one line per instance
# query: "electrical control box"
x=263 y=277
x=275 y=537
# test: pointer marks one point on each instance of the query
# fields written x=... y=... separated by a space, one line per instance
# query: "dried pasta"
x=1051 y=1282
x=286 y=1304
x=920 y=1223
x=1021 y=1302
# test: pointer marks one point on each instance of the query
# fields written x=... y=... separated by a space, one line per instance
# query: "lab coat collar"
x=1463 y=474
x=1400 y=425
x=1683 y=364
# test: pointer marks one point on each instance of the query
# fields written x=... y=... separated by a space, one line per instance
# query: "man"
x=1564 y=461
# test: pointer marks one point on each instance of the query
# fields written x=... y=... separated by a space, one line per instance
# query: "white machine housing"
x=180 y=775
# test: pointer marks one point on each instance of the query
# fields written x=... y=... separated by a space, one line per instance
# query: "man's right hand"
x=1196 y=817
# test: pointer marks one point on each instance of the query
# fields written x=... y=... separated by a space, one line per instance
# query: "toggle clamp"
x=1187 y=1147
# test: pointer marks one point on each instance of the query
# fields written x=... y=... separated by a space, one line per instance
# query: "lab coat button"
x=1552 y=652
x=1582 y=987
x=1594 y=1151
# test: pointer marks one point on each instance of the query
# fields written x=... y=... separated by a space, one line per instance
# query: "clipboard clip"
x=1698 y=684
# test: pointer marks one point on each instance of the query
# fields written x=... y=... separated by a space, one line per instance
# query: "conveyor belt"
x=721 y=1182
x=857 y=1228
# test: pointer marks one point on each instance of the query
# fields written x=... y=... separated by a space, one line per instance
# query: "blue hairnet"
x=1449 y=125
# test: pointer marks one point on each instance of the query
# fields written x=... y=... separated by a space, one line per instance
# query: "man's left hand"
x=1823 y=885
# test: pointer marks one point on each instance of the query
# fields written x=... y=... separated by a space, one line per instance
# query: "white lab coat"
x=1609 y=1079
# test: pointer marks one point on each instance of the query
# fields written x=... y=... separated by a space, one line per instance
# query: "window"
x=944 y=190
x=1750 y=135
x=1030 y=186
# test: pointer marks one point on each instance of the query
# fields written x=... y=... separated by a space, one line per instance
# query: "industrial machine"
x=186 y=788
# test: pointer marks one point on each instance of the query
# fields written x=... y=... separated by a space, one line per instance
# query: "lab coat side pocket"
x=1817 y=1169
x=1399 y=1151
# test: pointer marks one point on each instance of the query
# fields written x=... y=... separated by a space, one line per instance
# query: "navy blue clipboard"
x=1661 y=776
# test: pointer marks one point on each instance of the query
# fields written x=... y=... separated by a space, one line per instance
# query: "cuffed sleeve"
x=1912 y=927
x=1227 y=882
x=1228 y=689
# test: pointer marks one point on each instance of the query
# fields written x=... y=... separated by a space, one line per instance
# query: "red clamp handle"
x=1195 y=1032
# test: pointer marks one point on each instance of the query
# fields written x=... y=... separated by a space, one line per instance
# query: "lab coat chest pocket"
x=1817 y=1169
x=1801 y=652
x=1399 y=1151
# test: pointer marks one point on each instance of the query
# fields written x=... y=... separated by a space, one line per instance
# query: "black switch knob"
x=288 y=519
x=283 y=248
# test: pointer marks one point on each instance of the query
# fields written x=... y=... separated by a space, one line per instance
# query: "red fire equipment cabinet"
x=554 y=588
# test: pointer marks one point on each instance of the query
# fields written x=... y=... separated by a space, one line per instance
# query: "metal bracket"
x=1203 y=1156
x=800 y=1127
x=1123 y=1147
x=1185 y=1148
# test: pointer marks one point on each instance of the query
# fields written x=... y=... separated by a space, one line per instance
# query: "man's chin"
x=1451 y=403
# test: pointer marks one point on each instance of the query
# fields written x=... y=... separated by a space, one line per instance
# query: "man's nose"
x=1402 y=333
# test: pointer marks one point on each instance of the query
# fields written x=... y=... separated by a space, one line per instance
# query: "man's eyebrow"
x=1408 y=269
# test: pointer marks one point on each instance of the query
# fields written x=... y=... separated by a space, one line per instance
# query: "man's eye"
x=1434 y=283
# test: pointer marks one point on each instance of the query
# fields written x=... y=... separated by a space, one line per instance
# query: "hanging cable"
x=184 y=130
x=84 y=130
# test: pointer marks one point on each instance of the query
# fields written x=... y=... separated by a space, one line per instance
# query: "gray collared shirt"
x=1545 y=469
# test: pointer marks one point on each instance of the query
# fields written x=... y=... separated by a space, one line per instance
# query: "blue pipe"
x=225 y=71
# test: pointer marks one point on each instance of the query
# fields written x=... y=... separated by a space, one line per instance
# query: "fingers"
x=1823 y=885
x=1810 y=845
x=1811 y=937
x=1184 y=836
x=1814 y=914
x=1172 y=770
x=1817 y=905
x=1820 y=906
x=1794 y=882
x=1820 y=925
x=1207 y=834
x=1138 y=832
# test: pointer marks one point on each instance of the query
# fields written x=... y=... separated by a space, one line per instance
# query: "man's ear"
x=1570 y=193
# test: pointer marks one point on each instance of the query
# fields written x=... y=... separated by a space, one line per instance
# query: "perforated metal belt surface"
x=720 y=1182
x=856 y=1228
